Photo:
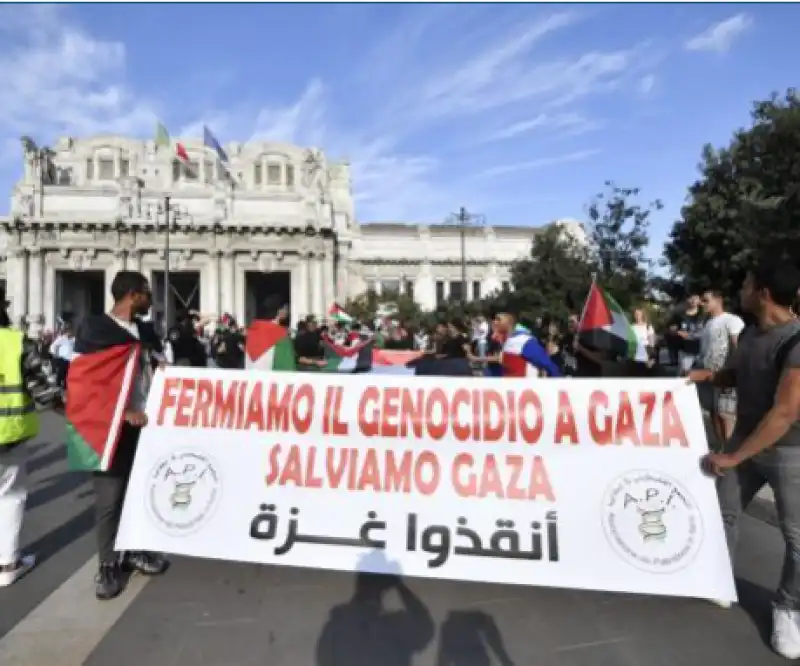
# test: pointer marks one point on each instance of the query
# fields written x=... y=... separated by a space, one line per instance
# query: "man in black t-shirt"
x=187 y=350
x=227 y=345
x=688 y=326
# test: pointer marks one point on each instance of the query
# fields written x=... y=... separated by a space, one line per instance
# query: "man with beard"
x=111 y=368
x=764 y=448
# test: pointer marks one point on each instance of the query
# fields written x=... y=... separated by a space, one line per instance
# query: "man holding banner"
x=765 y=446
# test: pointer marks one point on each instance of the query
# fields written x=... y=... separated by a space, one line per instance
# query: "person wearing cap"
x=23 y=386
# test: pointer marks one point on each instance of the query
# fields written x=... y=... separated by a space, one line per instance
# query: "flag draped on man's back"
x=269 y=347
x=100 y=381
x=604 y=326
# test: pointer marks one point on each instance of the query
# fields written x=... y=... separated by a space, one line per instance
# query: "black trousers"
x=109 y=493
x=61 y=366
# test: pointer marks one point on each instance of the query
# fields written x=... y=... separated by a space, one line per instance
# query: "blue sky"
x=519 y=112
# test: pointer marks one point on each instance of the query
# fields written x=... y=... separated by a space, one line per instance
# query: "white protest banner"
x=564 y=483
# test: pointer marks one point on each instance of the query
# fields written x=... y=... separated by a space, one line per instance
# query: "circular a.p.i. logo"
x=183 y=492
x=652 y=522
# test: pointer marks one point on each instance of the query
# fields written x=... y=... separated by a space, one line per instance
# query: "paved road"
x=218 y=614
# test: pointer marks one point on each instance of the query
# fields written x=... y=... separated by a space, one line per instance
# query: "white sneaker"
x=721 y=603
x=786 y=633
x=26 y=563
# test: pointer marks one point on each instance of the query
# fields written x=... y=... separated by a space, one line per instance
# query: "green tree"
x=745 y=204
x=552 y=282
x=618 y=240
x=368 y=305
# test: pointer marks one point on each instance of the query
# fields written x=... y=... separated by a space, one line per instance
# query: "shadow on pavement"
x=756 y=601
x=61 y=537
x=55 y=487
x=364 y=632
x=471 y=638
x=58 y=454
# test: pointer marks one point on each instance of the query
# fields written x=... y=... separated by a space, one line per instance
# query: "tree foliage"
x=745 y=204
x=367 y=306
x=618 y=240
x=553 y=281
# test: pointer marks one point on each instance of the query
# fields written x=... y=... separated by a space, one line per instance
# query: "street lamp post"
x=465 y=219
x=166 y=264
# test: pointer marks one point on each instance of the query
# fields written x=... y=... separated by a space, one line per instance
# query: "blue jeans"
x=778 y=467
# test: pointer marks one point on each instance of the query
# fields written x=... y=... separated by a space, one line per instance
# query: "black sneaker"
x=148 y=564
x=108 y=582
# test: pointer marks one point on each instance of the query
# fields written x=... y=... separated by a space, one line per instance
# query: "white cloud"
x=646 y=84
x=573 y=123
x=56 y=79
x=505 y=73
x=540 y=163
x=719 y=37
x=302 y=122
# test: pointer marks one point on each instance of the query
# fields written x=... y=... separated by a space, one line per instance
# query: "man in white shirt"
x=61 y=350
x=718 y=339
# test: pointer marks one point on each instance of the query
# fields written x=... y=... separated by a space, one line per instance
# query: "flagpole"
x=166 y=266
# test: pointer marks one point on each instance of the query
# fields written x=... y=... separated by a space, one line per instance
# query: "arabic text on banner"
x=563 y=483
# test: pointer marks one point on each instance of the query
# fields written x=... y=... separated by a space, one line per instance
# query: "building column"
x=240 y=294
x=227 y=283
x=491 y=282
x=49 y=293
x=134 y=262
x=117 y=264
x=425 y=288
x=317 y=287
x=35 y=282
x=302 y=307
x=343 y=273
x=17 y=284
x=210 y=295
x=329 y=283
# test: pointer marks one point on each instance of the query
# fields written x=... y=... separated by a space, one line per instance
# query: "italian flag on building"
x=269 y=347
x=163 y=140
x=605 y=327
x=337 y=314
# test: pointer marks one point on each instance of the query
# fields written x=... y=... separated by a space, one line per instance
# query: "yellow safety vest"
x=18 y=418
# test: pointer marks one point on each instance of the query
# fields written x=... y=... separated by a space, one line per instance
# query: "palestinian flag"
x=100 y=380
x=269 y=347
x=394 y=361
x=605 y=327
x=357 y=358
x=396 y=357
x=337 y=314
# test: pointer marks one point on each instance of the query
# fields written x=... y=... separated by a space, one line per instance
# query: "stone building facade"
x=282 y=219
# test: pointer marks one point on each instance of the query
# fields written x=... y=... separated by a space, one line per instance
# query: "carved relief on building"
x=79 y=260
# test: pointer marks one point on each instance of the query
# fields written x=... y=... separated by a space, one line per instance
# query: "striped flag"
x=339 y=358
x=337 y=314
x=163 y=140
x=269 y=347
x=604 y=326
x=210 y=142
